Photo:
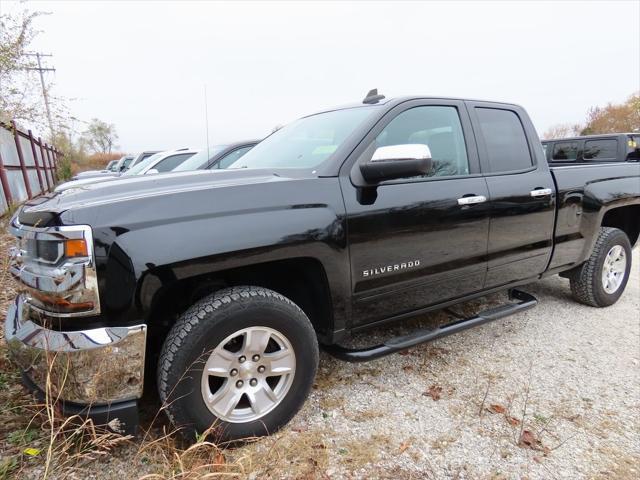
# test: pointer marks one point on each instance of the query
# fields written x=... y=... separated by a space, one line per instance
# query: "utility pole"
x=40 y=69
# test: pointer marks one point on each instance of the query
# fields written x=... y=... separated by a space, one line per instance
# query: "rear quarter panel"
x=585 y=194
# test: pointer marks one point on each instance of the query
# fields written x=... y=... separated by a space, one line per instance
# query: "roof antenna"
x=372 y=97
x=206 y=117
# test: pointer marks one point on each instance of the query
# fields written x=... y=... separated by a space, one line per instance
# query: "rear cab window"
x=601 y=150
x=505 y=140
x=564 y=152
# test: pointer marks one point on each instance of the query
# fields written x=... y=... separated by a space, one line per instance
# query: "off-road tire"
x=586 y=280
x=201 y=328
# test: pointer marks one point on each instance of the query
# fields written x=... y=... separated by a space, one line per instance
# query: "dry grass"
x=97 y=161
x=37 y=442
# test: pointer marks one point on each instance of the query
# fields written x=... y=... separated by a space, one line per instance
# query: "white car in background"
x=157 y=163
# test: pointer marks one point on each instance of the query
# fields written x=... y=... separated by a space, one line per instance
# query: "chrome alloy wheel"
x=248 y=374
x=613 y=269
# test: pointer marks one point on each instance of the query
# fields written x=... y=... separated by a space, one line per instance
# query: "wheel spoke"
x=219 y=363
x=262 y=398
x=255 y=341
x=280 y=362
x=226 y=399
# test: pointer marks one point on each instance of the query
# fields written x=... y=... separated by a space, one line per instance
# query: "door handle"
x=472 y=200
x=541 y=192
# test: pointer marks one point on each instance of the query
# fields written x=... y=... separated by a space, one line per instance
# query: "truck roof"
x=390 y=102
x=583 y=137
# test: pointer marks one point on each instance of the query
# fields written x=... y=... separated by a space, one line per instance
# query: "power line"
x=40 y=69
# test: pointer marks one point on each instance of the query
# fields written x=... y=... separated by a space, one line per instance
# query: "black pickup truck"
x=224 y=284
x=607 y=148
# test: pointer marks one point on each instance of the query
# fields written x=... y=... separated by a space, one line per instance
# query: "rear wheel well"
x=302 y=280
x=626 y=219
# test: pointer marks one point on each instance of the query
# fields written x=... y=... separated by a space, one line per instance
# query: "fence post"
x=35 y=159
x=23 y=167
x=5 y=183
x=54 y=154
x=44 y=163
x=49 y=150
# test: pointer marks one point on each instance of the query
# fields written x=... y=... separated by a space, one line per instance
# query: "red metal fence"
x=27 y=166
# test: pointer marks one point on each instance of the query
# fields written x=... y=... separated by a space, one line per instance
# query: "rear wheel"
x=600 y=281
x=241 y=361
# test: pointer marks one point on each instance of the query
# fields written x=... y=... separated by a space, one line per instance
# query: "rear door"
x=521 y=193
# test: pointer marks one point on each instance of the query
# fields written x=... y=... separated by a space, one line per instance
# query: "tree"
x=21 y=93
x=624 y=117
x=17 y=92
x=100 y=136
x=561 y=130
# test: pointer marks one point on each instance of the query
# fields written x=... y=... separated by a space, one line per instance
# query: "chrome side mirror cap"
x=397 y=161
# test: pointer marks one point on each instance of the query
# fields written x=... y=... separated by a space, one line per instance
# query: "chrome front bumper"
x=96 y=366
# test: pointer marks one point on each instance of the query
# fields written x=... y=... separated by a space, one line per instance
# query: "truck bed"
x=584 y=193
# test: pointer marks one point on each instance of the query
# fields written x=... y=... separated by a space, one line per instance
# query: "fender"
x=147 y=243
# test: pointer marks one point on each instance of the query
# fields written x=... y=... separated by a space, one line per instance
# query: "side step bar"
x=398 y=344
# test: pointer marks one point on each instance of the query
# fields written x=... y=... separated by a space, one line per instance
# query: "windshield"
x=136 y=169
x=199 y=159
x=305 y=143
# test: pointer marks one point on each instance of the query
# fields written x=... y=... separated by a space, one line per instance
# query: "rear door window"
x=565 y=152
x=505 y=140
x=601 y=150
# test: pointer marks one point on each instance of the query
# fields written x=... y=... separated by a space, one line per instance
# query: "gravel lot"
x=553 y=392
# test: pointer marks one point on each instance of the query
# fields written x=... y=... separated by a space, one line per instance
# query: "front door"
x=419 y=241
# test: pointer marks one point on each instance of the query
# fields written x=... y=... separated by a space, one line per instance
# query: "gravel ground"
x=553 y=392
x=457 y=408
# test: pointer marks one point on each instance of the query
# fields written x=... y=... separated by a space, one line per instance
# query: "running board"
x=398 y=344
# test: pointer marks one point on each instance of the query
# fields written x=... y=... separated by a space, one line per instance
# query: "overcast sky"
x=143 y=65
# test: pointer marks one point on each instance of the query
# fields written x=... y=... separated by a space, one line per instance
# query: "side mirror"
x=151 y=171
x=397 y=161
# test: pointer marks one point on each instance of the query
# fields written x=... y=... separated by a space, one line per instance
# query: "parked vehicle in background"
x=140 y=157
x=120 y=166
x=123 y=162
x=613 y=147
x=156 y=163
x=161 y=162
x=225 y=283
x=218 y=156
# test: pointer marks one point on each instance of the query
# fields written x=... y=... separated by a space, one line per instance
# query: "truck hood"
x=89 y=179
x=135 y=189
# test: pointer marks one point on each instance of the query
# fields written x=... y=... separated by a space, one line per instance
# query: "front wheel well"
x=302 y=280
x=626 y=219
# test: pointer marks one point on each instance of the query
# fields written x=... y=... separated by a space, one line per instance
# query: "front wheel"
x=600 y=281
x=242 y=361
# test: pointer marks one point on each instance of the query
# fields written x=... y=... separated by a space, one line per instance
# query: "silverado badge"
x=396 y=267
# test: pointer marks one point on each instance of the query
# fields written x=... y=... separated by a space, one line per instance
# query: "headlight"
x=57 y=268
